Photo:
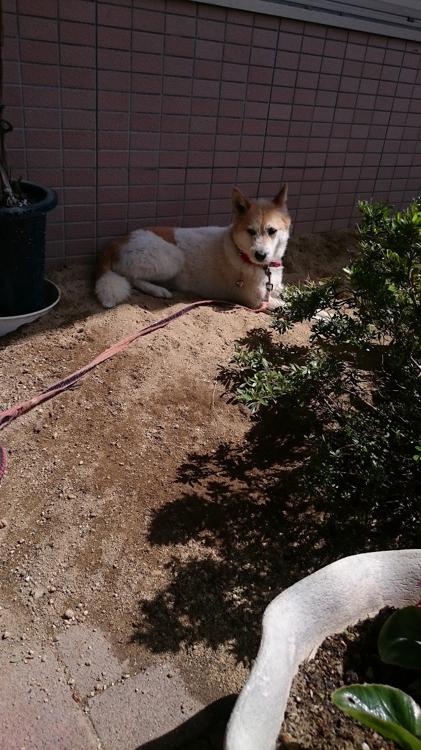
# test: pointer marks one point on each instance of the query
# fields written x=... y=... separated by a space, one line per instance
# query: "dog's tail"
x=111 y=288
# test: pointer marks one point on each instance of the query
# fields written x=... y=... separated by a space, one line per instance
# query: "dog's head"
x=261 y=228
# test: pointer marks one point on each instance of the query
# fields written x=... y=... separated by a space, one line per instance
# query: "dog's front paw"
x=322 y=315
x=163 y=293
x=275 y=303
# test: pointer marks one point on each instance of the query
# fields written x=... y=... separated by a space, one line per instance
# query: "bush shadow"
x=244 y=528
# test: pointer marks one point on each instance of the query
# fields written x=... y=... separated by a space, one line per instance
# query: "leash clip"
x=269 y=285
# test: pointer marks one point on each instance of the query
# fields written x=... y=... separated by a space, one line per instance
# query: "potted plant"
x=297 y=621
x=24 y=293
x=390 y=711
x=23 y=211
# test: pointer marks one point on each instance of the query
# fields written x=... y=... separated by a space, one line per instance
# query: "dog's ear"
x=280 y=200
x=240 y=203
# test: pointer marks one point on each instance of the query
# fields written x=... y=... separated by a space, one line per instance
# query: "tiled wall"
x=149 y=111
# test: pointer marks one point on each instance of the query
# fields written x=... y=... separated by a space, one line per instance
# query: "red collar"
x=244 y=257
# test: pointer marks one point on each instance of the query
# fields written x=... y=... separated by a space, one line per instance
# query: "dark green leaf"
x=399 y=640
x=387 y=710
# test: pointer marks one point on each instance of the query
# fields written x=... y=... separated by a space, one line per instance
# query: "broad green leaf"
x=387 y=710
x=399 y=639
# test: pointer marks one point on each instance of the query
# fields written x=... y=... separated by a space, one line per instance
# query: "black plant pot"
x=22 y=251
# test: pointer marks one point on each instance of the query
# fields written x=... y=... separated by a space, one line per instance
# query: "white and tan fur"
x=204 y=261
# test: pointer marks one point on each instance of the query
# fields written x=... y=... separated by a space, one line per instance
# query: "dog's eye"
x=271 y=231
x=252 y=232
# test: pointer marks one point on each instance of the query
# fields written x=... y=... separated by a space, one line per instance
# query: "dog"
x=240 y=263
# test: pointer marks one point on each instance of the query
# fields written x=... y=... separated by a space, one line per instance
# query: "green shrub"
x=358 y=381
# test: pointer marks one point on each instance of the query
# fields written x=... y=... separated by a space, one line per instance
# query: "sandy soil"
x=140 y=499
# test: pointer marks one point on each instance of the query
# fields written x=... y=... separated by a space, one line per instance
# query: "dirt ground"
x=141 y=499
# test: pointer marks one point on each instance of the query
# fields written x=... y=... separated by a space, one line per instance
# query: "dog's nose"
x=259 y=255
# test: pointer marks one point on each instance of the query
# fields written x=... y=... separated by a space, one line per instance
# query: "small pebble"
x=365 y=746
x=3 y=523
x=6 y=635
x=69 y=614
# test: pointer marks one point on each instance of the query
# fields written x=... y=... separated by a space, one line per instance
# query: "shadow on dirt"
x=259 y=532
x=240 y=507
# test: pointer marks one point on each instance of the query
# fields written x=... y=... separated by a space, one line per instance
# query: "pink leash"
x=8 y=415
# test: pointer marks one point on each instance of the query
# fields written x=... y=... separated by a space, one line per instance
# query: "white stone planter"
x=297 y=621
